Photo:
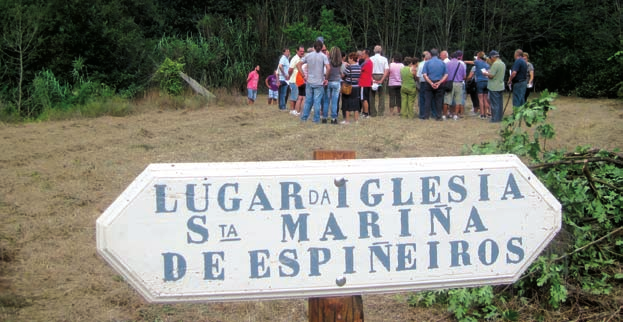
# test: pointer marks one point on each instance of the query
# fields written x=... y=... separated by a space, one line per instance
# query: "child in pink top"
x=252 y=80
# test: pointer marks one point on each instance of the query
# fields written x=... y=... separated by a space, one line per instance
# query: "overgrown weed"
x=158 y=100
x=116 y=106
x=226 y=97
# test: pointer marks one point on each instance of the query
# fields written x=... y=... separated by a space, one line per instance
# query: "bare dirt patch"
x=57 y=177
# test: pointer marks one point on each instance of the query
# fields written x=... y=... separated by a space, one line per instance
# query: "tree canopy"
x=122 y=42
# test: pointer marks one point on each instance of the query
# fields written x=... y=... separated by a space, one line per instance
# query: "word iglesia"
x=278 y=231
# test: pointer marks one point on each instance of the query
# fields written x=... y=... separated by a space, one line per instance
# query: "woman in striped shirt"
x=352 y=103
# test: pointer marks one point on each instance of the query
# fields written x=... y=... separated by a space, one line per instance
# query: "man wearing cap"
x=435 y=73
x=496 y=86
x=380 y=73
x=284 y=64
x=519 y=79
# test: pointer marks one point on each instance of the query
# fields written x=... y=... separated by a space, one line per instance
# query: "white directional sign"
x=232 y=231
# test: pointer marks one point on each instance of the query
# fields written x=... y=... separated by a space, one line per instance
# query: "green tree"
x=334 y=34
x=301 y=32
x=20 y=41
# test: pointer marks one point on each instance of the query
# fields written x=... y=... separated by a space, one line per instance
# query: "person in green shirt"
x=496 y=86
x=408 y=91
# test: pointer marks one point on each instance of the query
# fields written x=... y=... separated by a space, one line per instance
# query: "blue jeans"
x=496 y=101
x=313 y=95
x=294 y=92
x=325 y=101
x=252 y=94
x=332 y=95
x=519 y=93
x=283 y=91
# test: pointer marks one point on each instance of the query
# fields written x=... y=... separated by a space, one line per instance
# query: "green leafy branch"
x=525 y=132
x=584 y=262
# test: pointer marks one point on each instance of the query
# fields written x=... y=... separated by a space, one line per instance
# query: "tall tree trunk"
x=21 y=81
x=21 y=37
x=419 y=30
x=617 y=5
x=397 y=24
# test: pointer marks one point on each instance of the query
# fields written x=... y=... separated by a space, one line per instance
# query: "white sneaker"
x=456 y=117
x=344 y=122
x=443 y=117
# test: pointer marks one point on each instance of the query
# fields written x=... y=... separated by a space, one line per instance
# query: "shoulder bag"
x=448 y=84
x=346 y=88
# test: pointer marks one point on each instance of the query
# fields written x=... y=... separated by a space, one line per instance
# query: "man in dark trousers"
x=435 y=74
x=518 y=79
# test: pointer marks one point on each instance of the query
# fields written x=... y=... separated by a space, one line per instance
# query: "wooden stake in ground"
x=197 y=87
x=335 y=309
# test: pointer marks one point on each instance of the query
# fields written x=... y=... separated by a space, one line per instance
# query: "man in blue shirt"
x=435 y=74
x=518 y=79
x=284 y=64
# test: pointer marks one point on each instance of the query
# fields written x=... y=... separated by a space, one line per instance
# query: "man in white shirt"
x=293 y=71
x=444 y=56
x=284 y=65
x=380 y=74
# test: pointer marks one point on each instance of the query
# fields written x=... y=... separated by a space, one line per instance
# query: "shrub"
x=168 y=76
x=584 y=262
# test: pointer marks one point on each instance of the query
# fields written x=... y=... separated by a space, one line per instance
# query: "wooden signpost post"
x=343 y=308
x=326 y=230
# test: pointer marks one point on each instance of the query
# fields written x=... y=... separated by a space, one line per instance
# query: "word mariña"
x=373 y=200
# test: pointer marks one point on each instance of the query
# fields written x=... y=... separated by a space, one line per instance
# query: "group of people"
x=317 y=78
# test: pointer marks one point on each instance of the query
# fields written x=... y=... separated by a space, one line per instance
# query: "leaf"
x=511 y=315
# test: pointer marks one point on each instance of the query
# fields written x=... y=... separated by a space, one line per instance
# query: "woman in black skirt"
x=352 y=102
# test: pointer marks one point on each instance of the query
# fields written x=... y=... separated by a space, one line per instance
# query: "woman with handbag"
x=351 y=102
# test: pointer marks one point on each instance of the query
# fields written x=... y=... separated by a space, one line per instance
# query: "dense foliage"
x=122 y=43
x=582 y=270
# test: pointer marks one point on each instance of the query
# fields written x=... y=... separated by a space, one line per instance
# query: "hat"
x=375 y=86
x=321 y=39
x=494 y=53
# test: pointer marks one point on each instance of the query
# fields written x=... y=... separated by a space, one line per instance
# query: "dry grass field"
x=57 y=177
